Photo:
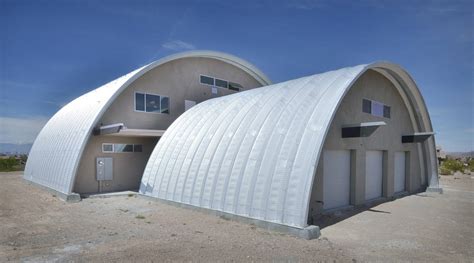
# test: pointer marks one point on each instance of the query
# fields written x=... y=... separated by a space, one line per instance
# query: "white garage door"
x=373 y=174
x=399 y=172
x=337 y=178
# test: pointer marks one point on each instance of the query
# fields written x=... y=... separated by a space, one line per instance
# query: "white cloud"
x=177 y=45
x=20 y=130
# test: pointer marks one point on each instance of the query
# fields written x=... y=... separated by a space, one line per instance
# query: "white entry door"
x=373 y=174
x=337 y=179
x=399 y=173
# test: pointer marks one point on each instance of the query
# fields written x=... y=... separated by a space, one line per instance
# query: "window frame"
x=226 y=83
x=111 y=144
x=240 y=88
x=113 y=148
x=383 y=108
x=154 y=94
x=213 y=80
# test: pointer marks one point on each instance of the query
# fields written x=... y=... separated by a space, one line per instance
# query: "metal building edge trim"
x=308 y=232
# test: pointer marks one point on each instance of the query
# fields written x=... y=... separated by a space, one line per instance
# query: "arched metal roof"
x=56 y=152
x=254 y=153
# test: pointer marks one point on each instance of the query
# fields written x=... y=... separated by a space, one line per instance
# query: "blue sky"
x=53 y=51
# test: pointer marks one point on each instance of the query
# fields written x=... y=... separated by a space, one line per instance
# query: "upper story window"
x=220 y=83
x=207 y=80
x=146 y=102
x=375 y=108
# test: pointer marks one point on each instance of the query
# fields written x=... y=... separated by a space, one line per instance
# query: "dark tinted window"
x=118 y=148
x=207 y=80
x=366 y=106
x=386 y=111
x=165 y=105
x=221 y=83
x=139 y=101
x=137 y=148
x=235 y=86
x=152 y=103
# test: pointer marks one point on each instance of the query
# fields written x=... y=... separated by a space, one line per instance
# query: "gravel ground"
x=36 y=226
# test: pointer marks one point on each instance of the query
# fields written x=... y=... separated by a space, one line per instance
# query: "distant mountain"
x=11 y=148
x=460 y=154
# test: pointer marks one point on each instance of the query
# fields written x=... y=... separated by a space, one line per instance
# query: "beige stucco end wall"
x=178 y=80
x=128 y=167
x=374 y=86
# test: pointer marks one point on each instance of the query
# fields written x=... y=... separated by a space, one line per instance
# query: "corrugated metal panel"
x=253 y=153
x=57 y=150
x=54 y=157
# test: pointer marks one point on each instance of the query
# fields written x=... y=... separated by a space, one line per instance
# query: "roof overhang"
x=416 y=137
x=138 y=133
x=363 y=129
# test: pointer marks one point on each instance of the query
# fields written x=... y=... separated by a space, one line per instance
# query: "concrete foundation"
x=72 y=198
x=309 y=232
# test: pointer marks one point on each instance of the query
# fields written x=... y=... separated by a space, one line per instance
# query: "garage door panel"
x=399 y=172
x=373 y=174
x=336 y=182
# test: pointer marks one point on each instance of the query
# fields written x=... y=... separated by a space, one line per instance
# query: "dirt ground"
x=36 y=226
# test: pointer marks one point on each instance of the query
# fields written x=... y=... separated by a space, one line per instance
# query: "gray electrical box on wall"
x=104 y=166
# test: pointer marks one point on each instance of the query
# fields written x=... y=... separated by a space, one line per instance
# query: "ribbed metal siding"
x=57 y=150
x=254 y=153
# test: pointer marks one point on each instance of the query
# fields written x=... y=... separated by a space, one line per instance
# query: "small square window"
x=152 y=103
x=221 y=83
x=207 y=80
x=139 y=102
x=107 y=147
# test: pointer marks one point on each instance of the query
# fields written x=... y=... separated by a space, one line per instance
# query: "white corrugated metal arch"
x=254 y=153
x=56 y=152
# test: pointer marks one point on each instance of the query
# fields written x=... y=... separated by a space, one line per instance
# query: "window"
x=386 y=111
x=137 y=148
x=152 y=103
x=366 y=106
x=139 y=101
x=375 y=108
x=121 y=148
x=207 y=80
x=165 y=104
x=107 y=147
x=221 y=83
x=235 y=86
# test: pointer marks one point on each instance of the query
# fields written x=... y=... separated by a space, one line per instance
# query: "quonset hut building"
x=278 y=155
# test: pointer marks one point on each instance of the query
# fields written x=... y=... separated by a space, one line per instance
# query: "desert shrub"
x=8 y=164
x=444 y=171
x=471 y=165
x=452 y=165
